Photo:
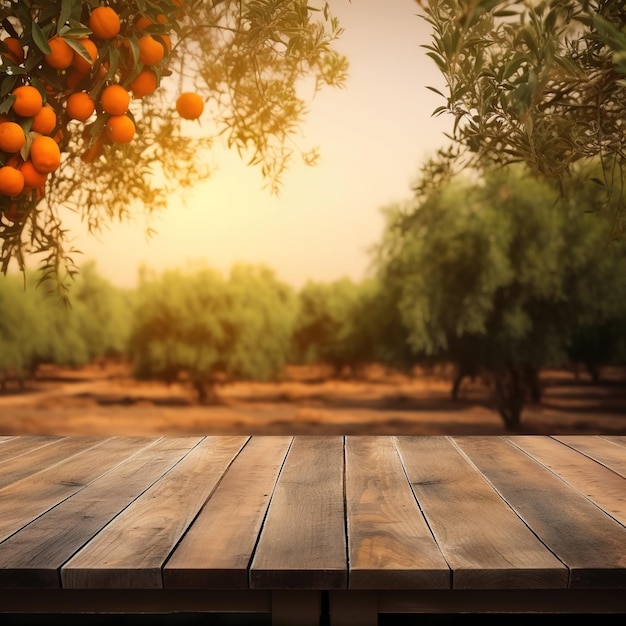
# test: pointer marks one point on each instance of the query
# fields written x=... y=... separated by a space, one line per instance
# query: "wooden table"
x=345 y=528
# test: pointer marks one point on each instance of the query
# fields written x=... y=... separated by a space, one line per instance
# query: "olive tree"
x=541 y=83
x=497 y=276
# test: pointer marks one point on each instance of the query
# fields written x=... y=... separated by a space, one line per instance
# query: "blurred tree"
x=204 y=328
x=497 y=275
x=21 y=330
x=105 y=314
x=324 y=330
x=540 y=83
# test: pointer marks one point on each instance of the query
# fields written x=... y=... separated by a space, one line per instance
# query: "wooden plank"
x=390 y=544
x=620 y=440
x=41 y=458
x=23 y=501
x=15 y=446
x=607 y=451
x=595 y=481
x=130 y=551
x=33 y=556
x=587 y=540
x=483 y=540
x=217 y=549
x=303 y=544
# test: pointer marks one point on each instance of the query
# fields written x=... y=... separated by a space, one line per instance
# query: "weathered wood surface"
x=313 y=513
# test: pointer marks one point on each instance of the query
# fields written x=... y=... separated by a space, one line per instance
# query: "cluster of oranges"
x=85 y=72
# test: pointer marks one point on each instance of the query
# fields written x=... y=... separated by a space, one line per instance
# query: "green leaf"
x=438 y=60
x=435 y=91
x=6 y=104
x=40 y=39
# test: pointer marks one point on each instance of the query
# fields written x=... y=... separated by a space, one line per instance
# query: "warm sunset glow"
x=372 y=136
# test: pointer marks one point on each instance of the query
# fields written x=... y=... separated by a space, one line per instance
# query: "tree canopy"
x=541 y=83
x=253 y=63
x=499 y=276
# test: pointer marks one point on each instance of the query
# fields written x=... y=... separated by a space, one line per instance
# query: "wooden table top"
x=313 y=513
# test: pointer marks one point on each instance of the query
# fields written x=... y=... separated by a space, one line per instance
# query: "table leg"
x=353 y=608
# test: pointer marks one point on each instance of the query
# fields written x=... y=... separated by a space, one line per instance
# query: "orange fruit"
x=104 y=23
x=189 y=105
x=61 y=56
x=144 y=83
x=80 y=106
x=33 y=179
x=12 y=137
x=115 y=100
x=143 y=22
x=79 y=62
x=120 y=129
x=45 y=154
x=72 y=78
x=15 y=52
x=28 y=101
x=11 y=181
x=151 y=51
x=45 y=121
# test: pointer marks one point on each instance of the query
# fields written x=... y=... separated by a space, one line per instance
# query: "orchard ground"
x=106 y=400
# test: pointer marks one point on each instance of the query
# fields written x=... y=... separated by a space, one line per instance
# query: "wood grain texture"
x=216 y=551
x=390 y=544
x=595 y=481
x=606 y=450
x=483 y=540
x=41 y=458
x=24 y=500
x=15 y=446
x=582 y=536
x=303 y=543
x=33 y=556
x=131 y=550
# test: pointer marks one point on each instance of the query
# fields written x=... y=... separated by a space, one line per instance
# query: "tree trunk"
x=205 y=391
x=456 y=384
x=510 y=389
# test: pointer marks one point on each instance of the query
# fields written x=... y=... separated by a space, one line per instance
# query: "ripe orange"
x=120 y=129
x=61 y=55
x=79 y=62
x=12 y=137
x=11 y=181
x=151 y=51
x=144 y=84
x=15 y=51
x=45 y=121
x=80 y=106
x=104 y=22
x=33 y=179
x=143 y=22
x=28 y=101
x=45 y=154
x=115 y=100
x=189 y=105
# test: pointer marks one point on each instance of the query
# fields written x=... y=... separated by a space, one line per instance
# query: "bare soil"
x=105 y=399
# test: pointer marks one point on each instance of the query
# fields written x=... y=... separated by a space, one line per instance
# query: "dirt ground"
x=106 y=400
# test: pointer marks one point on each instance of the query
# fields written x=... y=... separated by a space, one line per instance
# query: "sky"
x=372 y=136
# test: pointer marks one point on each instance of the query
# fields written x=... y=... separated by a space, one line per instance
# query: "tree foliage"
x=202 y=327
x=498 y=276
x=255 y=63
x=541 y=83
x=92 y=324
